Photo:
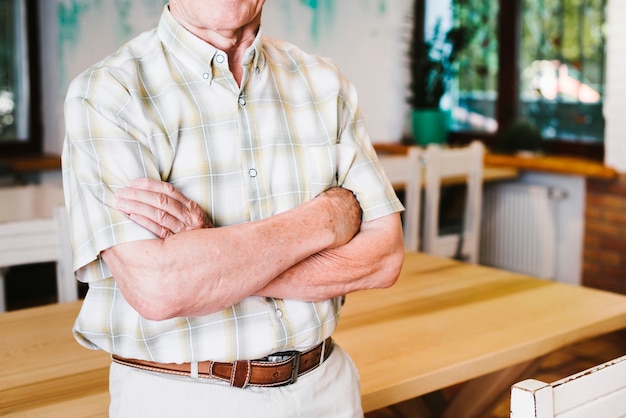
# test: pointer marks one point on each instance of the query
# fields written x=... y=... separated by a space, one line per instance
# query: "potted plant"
x=432 y=63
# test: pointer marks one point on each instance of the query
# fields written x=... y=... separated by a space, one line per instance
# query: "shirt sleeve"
x=358 y=167
x=102 y=152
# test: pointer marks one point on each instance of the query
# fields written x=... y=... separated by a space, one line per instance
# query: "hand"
x=345 y=214
x=160 y=207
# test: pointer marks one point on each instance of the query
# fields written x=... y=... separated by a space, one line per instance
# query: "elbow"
x=149 y=297
x=151 y=306
x=391 y=247
x=154 y=313
x=392 y=268
x=160 y=303
x=151 y=293
x=140 y=284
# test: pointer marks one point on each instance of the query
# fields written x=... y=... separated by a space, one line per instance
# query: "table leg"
x=412 y=408
x=476 y=396
x=3 y=306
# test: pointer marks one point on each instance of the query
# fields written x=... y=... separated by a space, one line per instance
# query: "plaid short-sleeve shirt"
x=166 y=106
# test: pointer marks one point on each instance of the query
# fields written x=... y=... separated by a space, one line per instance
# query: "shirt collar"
x=254 y=56
x=197 y=54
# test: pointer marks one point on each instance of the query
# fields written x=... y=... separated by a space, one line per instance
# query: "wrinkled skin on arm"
x=312 y=252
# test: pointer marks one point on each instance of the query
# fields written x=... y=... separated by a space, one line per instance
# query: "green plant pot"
x=430 y=126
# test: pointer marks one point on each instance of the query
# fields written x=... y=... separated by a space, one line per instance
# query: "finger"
x=165 y=197
x=156 y=229
x=151 y=198
x=158 y=186
x=195 y=217
x=153 y=214
x=155 y=196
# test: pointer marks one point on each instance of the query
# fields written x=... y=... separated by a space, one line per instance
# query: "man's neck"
x=234 y=42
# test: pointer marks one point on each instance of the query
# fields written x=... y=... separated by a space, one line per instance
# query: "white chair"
x=402 y=167
x=34 y=229
x=596 y=392
x=444 y=164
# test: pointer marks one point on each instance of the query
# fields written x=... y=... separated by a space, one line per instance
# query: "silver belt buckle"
x=284 y=356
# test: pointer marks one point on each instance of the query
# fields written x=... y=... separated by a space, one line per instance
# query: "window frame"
x=33 y=144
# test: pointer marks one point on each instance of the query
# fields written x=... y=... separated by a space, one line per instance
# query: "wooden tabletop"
x=45 y=372
x=444 y=322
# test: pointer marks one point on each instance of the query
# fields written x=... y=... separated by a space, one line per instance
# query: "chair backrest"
x=403 y=169
x=67 y=289
x=596 y=392
x=34 y=229
x=452 y=164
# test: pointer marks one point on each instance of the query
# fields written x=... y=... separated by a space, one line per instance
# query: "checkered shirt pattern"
x=166 y=106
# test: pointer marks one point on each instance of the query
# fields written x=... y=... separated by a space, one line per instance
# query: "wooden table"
x=444 y=322
x=45 y=372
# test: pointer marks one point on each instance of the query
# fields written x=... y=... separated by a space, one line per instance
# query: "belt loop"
x=194 y=370
x=240 y=376
x=323 y=351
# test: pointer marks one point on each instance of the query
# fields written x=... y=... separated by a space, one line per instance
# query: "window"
x=532 y=76
x=562 y=68
x=20 y=131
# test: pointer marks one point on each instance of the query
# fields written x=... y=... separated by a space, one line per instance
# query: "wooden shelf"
x=32 y=164
x=553 y=164
x=550 y=164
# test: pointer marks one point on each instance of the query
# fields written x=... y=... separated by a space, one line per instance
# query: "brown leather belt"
x=278 y=369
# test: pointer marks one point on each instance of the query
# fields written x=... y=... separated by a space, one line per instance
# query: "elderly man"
x=224 y=197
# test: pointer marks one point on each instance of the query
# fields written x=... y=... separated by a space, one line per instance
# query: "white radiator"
x=518 y=228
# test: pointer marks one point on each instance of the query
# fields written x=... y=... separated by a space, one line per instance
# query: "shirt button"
x=205 y=76
x=242 y=101
x=279 y=313
x=219 y=58
x=252 y=172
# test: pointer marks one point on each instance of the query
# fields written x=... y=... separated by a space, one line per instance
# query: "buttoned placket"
x=278 y=317
x=219 y=62
x=248 y=142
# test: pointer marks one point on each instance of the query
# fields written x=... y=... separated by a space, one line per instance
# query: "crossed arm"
x=315 y=251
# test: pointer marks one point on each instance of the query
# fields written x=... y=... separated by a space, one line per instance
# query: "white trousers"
x=331 y=390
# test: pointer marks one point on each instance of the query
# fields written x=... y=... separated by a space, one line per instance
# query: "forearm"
x=372 y=259
x=202 y=271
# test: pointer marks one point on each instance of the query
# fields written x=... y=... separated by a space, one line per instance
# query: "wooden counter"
x=32 y=164
x=553 y=164
x=550 y=164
